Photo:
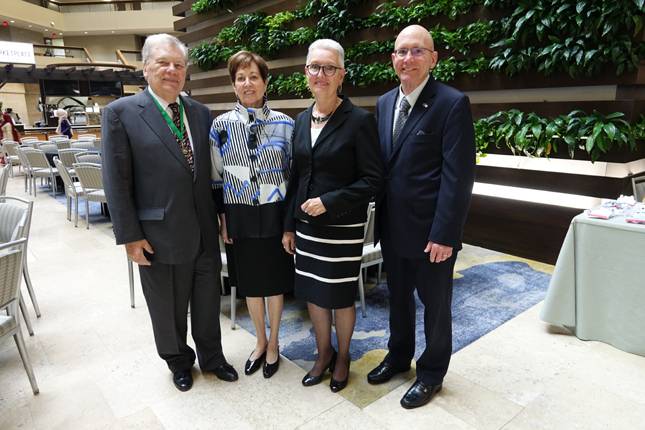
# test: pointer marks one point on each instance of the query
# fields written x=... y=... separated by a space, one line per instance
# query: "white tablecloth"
x=597 y=290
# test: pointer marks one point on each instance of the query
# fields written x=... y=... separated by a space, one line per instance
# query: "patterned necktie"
x=184 y=143
x=404 y=108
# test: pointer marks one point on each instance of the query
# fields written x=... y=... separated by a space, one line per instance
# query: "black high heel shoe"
x=335 y=385
x=269 y=369
x=310 y=380
x=252 y=366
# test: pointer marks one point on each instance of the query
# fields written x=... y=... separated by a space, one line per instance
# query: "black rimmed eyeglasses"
x=415 y=52
x=327 y=69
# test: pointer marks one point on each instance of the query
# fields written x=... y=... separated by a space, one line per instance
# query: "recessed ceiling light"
x=85 y=32
x=112 y=31
x=12 y=21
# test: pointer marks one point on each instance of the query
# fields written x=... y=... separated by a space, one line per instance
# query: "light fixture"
x=12 y=21
x=30 y=26
x=85 y=32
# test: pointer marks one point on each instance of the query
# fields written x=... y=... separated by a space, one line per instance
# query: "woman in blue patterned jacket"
x=250 y=151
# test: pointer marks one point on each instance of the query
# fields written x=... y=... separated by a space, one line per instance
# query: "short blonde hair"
x=329 y=45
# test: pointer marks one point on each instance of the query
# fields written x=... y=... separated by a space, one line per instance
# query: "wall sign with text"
x=17 y=52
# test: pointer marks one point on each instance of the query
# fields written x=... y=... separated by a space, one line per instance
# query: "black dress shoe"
x=384 y=372
x=269 y=369
x=252 y=366
x=225 y=372
x=183 y=380
x=310 y=380
x=419 y=394
x=335 y=385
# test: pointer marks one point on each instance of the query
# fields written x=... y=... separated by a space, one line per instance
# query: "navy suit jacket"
x=151 y=191
x=429 y=170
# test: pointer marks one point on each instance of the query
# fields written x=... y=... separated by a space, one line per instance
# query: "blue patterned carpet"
x=485 y=296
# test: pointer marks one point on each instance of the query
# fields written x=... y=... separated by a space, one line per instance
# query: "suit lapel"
x=152 y=117
x=421 y=107
x=305 y=132
x=388 y=103
x=337 y=118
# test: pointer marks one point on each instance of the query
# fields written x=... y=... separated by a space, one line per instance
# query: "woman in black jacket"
x=336 y=170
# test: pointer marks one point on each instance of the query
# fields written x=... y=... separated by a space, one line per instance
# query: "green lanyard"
x=177 y=132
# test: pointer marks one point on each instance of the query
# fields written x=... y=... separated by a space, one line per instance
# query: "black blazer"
x=344 y=168
x=151 y=192
x=429 y=170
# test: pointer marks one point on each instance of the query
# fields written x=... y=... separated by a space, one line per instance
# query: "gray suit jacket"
x=152 y=193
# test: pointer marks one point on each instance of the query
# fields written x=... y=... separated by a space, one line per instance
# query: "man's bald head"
x=413 y=57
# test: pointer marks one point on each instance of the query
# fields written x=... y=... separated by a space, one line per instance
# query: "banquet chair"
x=73 y=190
x=47 y=147
x=86 y=136
x=62 y=143
x=4 y=178
x=83 y=144
x=11 y=155
x=371 y=256
x=638 y=186
x=224 y=274
x=11 y=257
x=39 y=167
x=88 y=157
x=67 y=157
x=25 y=167
x=28 y=140
x=89 y=175
x=15 y=223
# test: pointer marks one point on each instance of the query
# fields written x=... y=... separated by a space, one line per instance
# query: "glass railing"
x=82 y=54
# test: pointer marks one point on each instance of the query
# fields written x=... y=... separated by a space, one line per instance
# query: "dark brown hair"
x=244 y=59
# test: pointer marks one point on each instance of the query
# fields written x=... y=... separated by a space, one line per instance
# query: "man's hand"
x=135 y=251
x=313 y=207
x=222 y=229
x=289 y=242
x=438 y=253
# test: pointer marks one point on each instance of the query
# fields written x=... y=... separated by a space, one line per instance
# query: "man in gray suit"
x=156 y=171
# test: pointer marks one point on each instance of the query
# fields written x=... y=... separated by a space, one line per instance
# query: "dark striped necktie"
x=184 y=143
x=404 y=110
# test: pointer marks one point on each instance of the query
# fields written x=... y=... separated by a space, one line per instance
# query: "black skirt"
x=262 y=267
x=328 y=262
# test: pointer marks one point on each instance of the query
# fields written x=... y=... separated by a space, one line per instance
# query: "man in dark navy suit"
x=427 y=143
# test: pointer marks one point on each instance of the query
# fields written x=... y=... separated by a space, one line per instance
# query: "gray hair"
x=330 y=45
x=155 y=40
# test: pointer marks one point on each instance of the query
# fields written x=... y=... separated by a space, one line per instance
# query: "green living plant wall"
x=577 y=37
x=532 y=135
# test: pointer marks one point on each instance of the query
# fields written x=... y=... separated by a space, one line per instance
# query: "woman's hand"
x=222 y=229
x=289 y=242
x=313 y=207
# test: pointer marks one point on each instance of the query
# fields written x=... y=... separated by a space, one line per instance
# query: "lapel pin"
x=425 y=105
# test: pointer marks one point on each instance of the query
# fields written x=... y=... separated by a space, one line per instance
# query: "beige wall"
x=23 y=99
x=139 y=21
x=17 y=34
x=102 y=48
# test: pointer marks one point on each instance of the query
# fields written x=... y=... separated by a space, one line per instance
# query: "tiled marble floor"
x=96 y=365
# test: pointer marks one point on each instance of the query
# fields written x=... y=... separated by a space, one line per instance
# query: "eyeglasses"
x=416 y=52
x=328 y=69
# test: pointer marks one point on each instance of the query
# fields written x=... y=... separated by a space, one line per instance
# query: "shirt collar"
x=258 y=113
x=164 y=104
x=414 y=95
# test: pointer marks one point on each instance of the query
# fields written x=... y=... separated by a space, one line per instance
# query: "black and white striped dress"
x=328 y=261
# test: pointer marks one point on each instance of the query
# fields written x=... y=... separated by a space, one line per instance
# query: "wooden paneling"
x=525 y=229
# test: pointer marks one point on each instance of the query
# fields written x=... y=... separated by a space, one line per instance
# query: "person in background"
x=8 y=128
x=428 y=146
x=64 y=126
x=336 y=171
x=250 y=151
